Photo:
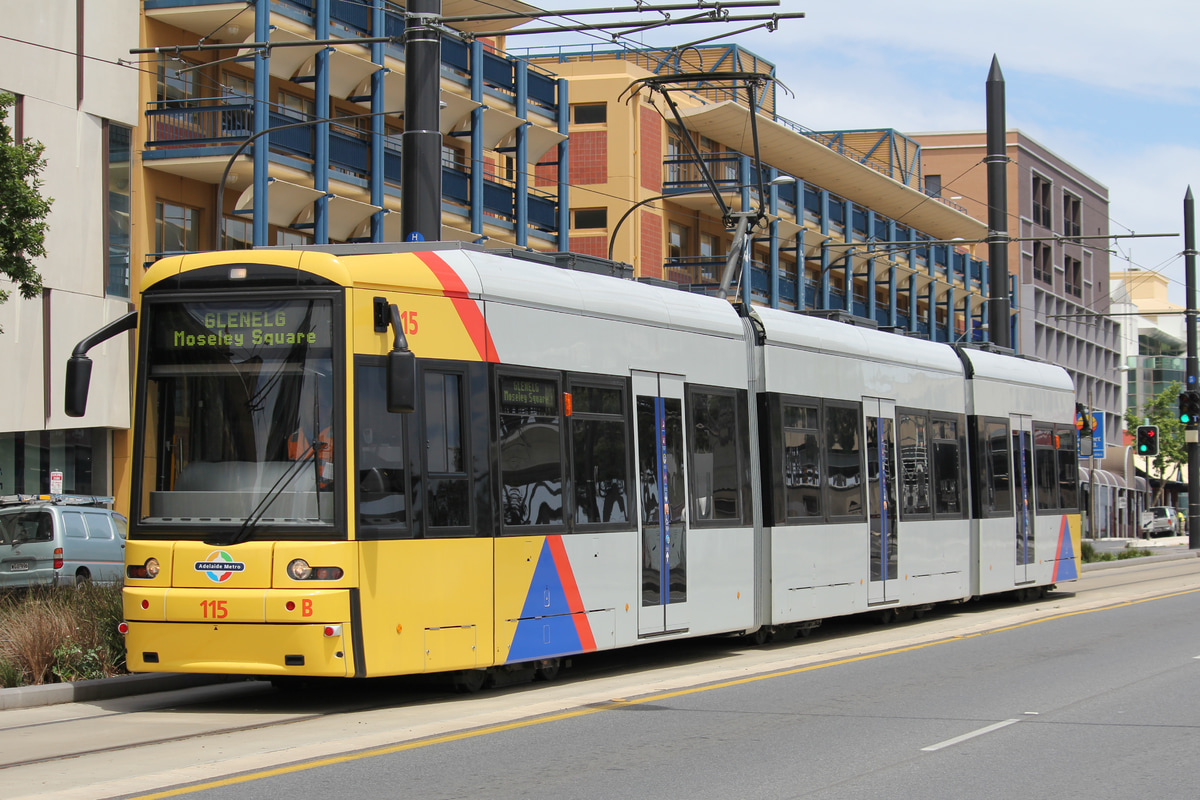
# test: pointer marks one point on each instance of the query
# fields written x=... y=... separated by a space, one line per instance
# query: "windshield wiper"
x=247 y=527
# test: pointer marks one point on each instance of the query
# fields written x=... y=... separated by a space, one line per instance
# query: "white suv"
x=1160 y=521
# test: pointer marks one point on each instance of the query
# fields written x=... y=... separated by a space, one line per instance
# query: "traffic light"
x=1147 y=440
x=1189 y=407
x=1083 y=420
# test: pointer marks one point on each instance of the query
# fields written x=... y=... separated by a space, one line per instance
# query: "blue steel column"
x=476 y=166
x=521 y=208
x=262 y=121
x=848 y=263
x=801 y=268
x=893 y=282
x=773 y=259
x=912 y=303
x=950 y=314
x=825 y=250
x=321 y=148
x=747 y=262
x=870 y=304
x=564 y=168
x=378 y=128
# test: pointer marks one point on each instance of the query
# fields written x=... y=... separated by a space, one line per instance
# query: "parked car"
x=59 y=539
x=1160 y=521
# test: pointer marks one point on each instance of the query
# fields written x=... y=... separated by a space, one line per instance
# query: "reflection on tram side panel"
x=354 y=463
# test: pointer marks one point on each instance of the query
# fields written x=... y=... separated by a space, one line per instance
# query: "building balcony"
x=294 y=20
x=198 y=139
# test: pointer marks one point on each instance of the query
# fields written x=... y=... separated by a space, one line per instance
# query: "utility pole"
x=1192 y=431
x=421 y=164
x=999 y=318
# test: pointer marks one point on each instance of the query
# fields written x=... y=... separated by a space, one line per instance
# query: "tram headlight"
x=147 y=571
x=300 y=570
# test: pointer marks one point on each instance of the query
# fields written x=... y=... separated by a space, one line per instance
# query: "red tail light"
x=123 y=628
x=58 y=558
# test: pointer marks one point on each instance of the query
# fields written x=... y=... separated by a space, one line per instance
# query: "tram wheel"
x=547 y=669
x=469 y=681
x=759 y=637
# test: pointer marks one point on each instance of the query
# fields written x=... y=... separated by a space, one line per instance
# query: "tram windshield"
x=238 y=419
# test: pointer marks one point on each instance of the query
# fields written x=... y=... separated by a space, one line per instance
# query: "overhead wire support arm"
x=608 y=26
x=638 y=9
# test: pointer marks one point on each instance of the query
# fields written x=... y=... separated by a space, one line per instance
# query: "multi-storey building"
x=851 y=231
x=1059 y=263
x=60 y=60
x=300 y=142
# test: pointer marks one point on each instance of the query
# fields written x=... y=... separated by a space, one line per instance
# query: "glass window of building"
x=116 y=255
x=177 y=228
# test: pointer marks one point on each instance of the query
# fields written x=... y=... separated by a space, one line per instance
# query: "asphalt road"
x=1082 y=693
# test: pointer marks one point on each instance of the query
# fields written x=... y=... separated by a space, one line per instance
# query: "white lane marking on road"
x=970 y=735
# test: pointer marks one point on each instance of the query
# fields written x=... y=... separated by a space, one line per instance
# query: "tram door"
x=663 y=501
x=881 y=499
x=1022 y=455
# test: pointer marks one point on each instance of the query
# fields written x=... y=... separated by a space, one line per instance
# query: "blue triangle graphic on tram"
x=547 y=627
x=1065 y=569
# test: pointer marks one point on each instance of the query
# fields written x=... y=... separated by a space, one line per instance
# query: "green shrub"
x=61 y=634
x=1127 y=553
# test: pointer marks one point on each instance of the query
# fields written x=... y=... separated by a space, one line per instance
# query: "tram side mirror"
x=401 y=382
x=79 y=377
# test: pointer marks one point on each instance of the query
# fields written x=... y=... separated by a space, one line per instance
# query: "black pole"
x=421 y=164
x=1192 y=431
x=999 y=325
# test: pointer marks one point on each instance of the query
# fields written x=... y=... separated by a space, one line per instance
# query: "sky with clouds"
x=1112 y=88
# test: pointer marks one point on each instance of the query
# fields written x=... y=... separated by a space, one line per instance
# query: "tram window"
x=947 y=468
x=801 y=462
x=1045 y=467
x=914 y=463
x=843 y=461
x=1068 y=469
x=447 y=486
x=599 y=455
x=530 y=451
x=714 y=457
x=998 y=488
x=382 y=492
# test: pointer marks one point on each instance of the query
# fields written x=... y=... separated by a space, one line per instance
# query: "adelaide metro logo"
x=220 y=566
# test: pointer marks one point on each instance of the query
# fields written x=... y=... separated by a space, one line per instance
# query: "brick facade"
x=590 y=245
x=650 y=248
x=651 y=150
x=589 y=157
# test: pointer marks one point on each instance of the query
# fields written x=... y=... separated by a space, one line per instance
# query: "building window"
x=176 y=88
x=1073 y=277
x=933 y=185
x=590 y=218
x=677 y=239
x=1043 y=263
x=116 y=256
x=297 y=107
x=1041 y=201
x=589 y=113
x=177 y=229
x=286 y=238
x=1072 y=215
x=239 y=233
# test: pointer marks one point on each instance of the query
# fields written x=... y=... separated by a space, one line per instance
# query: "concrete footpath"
x=1166 y=549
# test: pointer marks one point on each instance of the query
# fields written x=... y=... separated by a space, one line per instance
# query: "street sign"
x=1087 y=445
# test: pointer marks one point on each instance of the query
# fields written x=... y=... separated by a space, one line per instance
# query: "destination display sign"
x=528 y=396
x=254 y=326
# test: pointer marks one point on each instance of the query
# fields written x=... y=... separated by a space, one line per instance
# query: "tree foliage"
x=1162 y=410
x=23 y=210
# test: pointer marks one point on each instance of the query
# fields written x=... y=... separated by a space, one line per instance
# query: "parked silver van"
x=59 y=539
